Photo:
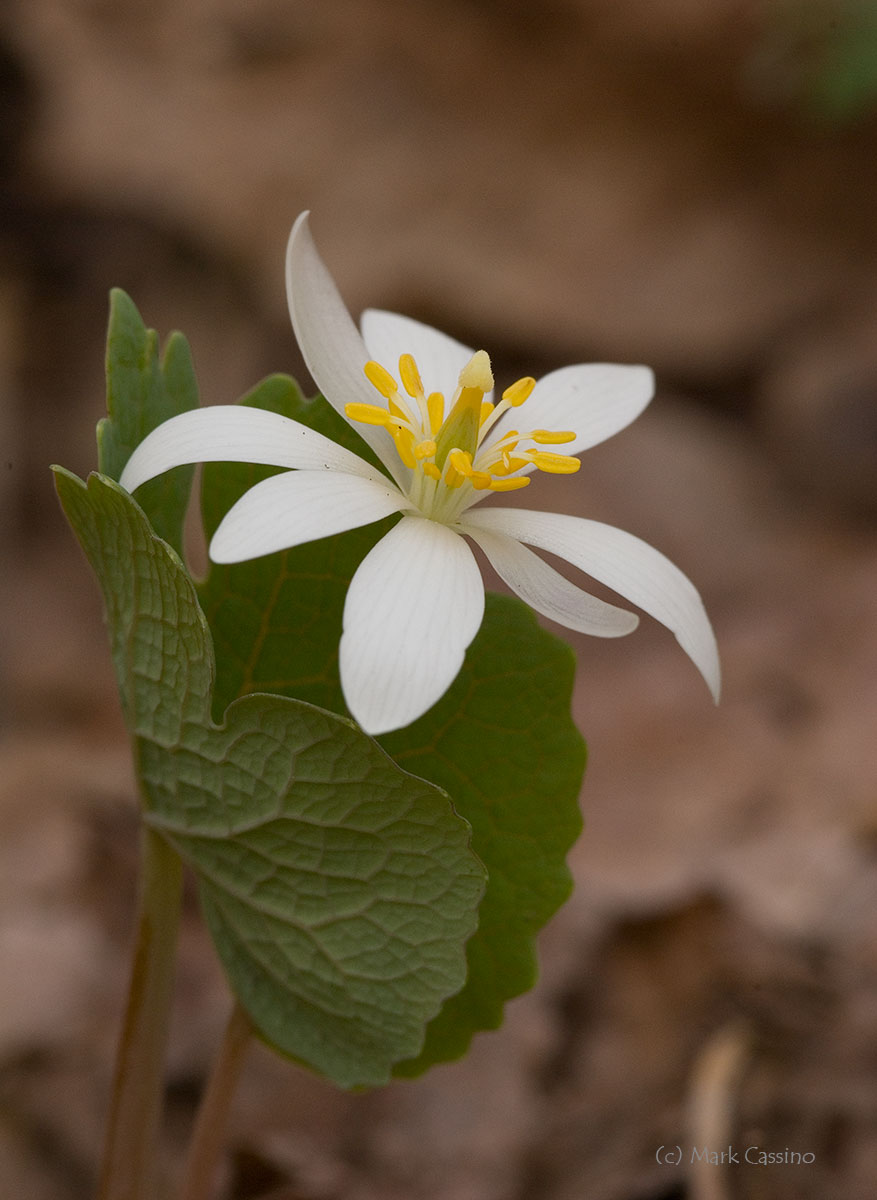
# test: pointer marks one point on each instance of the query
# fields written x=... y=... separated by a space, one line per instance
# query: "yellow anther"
x=510 y=485
x=368 y=414
x=520 y=391
x=435 y=406
x=487 y=408
x=380 y=378
x=432 y=471
x=508 y=465
x=424 y=449
x=477 y=373
x=461 y=462
x=555 y=464
x=546 y=438
x=480 y=480
x=404 y=439
x=453 y=479
x=410 y=376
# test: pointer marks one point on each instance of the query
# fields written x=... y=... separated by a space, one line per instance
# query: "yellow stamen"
x=519 y=392
x=410 y=376
x=444 y=446
x=508 y=465
x=397 y=409
x=555 y=464
x=435 y=406
x=510 y=485
x=380 y=378
x=368 y=414
x=461 y=462
x=404 y=439
x=546 y=438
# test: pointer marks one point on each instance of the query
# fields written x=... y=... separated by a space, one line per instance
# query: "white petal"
x=329 y=340
x=300 y=506
x=237 y=433
x=546 y=590
x=412 y=608
x=439 y=357
x=594 y=400
x=626 y=564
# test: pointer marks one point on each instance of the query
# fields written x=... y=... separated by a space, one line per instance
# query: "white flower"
x=417 y=599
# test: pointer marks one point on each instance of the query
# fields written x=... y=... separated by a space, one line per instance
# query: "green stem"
x=208 y=1137
x=129 y=1153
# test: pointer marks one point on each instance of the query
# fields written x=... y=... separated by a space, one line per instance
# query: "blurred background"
x=676 y=182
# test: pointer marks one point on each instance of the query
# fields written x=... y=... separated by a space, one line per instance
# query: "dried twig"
x=711 y=1107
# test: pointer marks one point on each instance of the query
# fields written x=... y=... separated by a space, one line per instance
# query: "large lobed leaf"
x=340 y=890
x=501 y=741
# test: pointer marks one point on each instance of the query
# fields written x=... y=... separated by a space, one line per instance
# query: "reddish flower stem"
x=208 y=1137
x=129 y=1151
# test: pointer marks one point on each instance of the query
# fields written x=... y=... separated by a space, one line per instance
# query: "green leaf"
x=143 y=390
x=501 y=742
x=340 y=890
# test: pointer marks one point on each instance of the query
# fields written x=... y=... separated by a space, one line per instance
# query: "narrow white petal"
x=624 y=563
x=546 y=590
x=300 y=506
x=594 y=400
x=237 y=433
x=439 y=357
x=330 y=343
x=412 y=608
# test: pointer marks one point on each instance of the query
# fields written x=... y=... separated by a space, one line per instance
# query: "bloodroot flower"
x=425 y=405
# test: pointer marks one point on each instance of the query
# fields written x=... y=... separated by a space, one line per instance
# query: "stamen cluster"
x=449 y=455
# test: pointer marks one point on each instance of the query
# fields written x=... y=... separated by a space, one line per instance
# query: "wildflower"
x=425 y=404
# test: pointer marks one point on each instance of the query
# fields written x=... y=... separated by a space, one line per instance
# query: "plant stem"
x=208 y=1136
x=129 y=1152
x=711 y=1100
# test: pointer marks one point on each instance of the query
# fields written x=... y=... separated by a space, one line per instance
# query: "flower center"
x=447 y=455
